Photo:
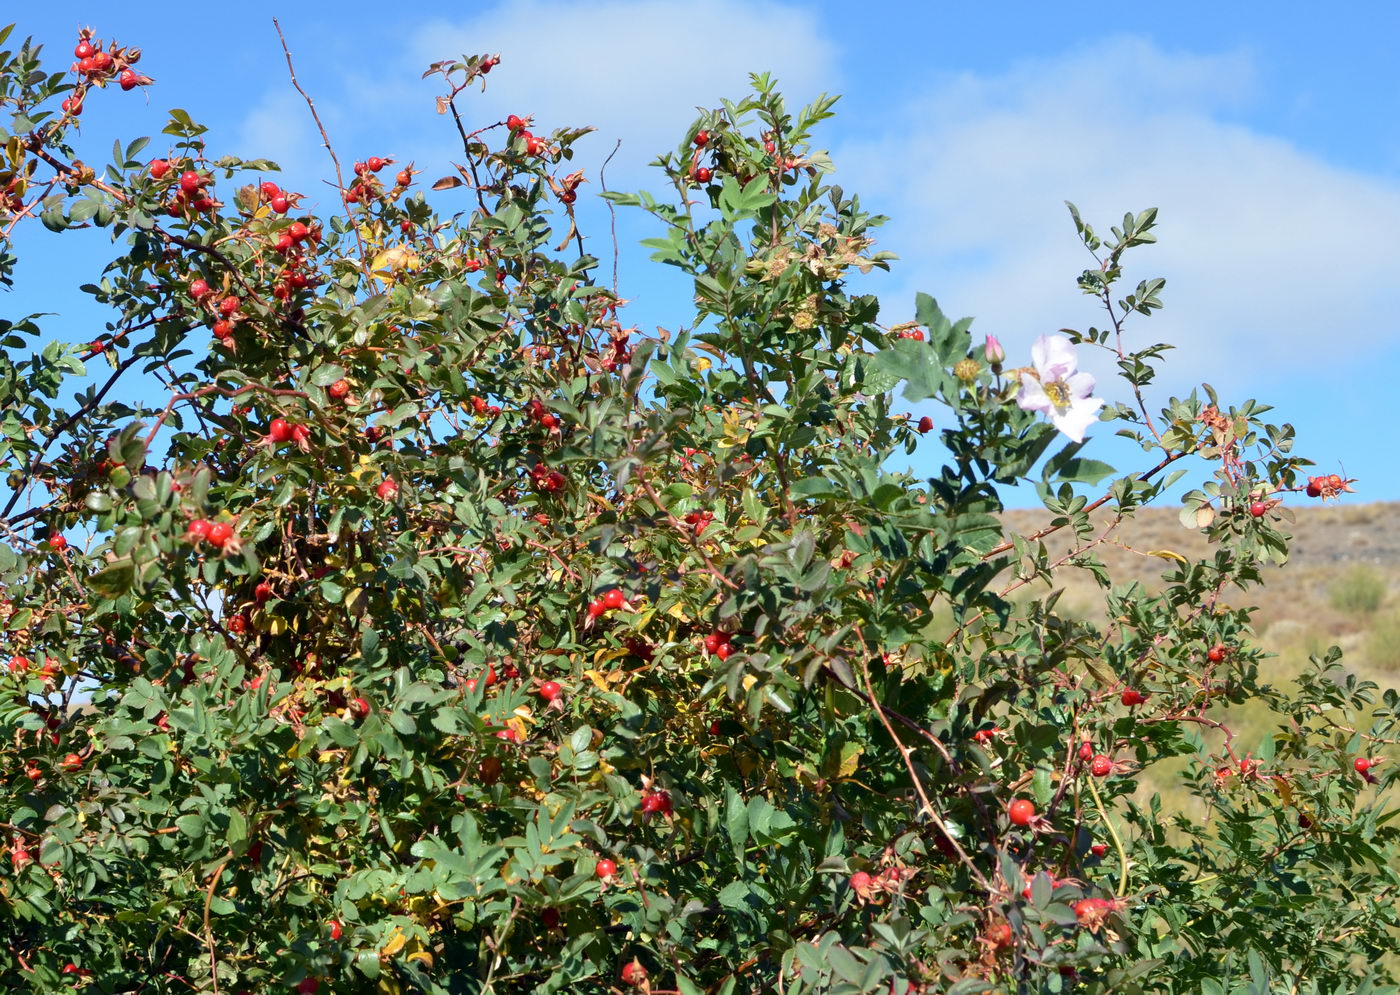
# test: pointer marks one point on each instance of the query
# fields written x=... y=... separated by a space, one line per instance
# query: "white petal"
x=1054 y=357
x=1032 y=396
x=1075 y=420
x=1039 y=351
x=1080 y=384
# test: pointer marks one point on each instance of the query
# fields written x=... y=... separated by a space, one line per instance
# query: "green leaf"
x=915 y=362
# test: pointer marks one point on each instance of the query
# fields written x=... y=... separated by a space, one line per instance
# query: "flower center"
x=1058 y=392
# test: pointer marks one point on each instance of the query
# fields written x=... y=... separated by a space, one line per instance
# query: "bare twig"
x=1166 y=461
x=904 y=753
x=326 y=141
x=208 y=930
x=612 y=208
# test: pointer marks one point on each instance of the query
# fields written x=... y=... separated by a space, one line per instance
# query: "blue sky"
x=1266 y=135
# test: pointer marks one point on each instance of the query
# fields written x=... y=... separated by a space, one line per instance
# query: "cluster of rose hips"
x=19 y=666
x=189 y=189
x=533 y=144
x=998 y=934
x=279 y=201
x=217 y=534
x=568 y=187
x=869 y=887
x=620 y=351
x=97 y=67
x=611 y=600
x=290 y=244
x=11 y=194
x=699 y=173
x=535 y=411
x=546 y=479
x=699 y=520
x=1054 y=884
x=367 y=186
x=225 y=308
x=1093 y=912
x=686 y=453
x=480 y=407
x=917 y=334
x=1100 y=765
x=1328 y=486
x=718 y=643
x=486 y=680
x=1248 y=770
x=657 y=802
x=279 y=430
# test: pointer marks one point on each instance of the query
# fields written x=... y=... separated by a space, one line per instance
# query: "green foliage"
x=396 y=733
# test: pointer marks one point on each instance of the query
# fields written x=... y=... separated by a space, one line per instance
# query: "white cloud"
x=1274 y=258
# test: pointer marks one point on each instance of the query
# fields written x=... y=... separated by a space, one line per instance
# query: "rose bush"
x=435 y=630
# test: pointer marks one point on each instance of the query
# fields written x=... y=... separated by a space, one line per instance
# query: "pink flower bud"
x=996 y=355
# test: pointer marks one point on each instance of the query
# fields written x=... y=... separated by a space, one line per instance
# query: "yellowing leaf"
x=850 y=759
x=1168 y=554
x=395 y=259
x=601 y=680
x=396 y=941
